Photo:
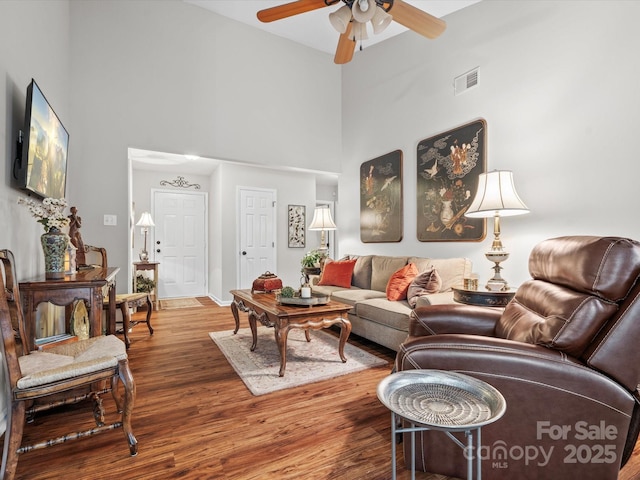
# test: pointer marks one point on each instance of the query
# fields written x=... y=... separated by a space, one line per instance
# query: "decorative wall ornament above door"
x=179 y=182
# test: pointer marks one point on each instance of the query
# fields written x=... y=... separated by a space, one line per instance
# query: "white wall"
x=558 y=91
x=292 y=188
x=34 y=43
x=167 y=76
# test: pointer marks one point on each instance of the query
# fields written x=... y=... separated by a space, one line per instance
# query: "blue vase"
x=54 y=245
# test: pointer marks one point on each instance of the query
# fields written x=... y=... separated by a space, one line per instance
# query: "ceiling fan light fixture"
x=340 y=18
x=359 y=32
x=363 y=11
x=380 y=20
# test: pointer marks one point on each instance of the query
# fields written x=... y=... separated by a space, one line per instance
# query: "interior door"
x=257 y=234
x=180 y=243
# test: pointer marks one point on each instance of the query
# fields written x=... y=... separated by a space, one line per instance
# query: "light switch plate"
x=111 y=220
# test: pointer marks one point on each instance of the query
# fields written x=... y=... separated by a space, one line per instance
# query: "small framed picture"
x=296 y=223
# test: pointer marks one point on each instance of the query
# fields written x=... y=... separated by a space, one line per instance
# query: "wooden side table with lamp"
x=495 y=197
x=146 y=222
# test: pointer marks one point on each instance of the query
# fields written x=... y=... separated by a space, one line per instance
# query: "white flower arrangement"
x=50 y=213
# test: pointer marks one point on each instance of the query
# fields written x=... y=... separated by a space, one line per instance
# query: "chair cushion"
x=577 y=281
x=547 y=314
x=604 y=266
x=125 y=297
x=70 y=360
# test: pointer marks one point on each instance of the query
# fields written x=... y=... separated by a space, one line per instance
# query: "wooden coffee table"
x=263 y=308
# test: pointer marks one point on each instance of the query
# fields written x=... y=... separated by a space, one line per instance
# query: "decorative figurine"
x=75 y=222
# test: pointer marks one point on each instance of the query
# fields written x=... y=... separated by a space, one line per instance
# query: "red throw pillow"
x=399 y=282
x=337 y=274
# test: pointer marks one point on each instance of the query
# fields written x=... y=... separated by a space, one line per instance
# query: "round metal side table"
x=441 y=400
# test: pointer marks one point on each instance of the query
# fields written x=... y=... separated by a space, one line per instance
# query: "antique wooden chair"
x=124 y=301
x=62 y=375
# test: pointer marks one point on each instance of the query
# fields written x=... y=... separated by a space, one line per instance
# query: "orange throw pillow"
x=337 y=274
x=399 y=282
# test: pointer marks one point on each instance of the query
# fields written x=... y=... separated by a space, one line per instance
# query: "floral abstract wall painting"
x=381 y=199
x=448 y=167
x=296 y=224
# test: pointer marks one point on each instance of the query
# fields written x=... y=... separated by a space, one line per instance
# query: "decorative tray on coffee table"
x=316 y=299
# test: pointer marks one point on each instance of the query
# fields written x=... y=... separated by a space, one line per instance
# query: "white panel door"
x=257 y=235
x=180 y=243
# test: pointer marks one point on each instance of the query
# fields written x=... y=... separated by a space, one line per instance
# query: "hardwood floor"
x=195 y=419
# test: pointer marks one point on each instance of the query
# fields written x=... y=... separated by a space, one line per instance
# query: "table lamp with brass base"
x=496 y=197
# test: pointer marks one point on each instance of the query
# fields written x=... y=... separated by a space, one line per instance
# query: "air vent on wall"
x=465 y=81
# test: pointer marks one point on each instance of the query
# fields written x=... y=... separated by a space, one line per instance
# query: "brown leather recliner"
x=565 y=353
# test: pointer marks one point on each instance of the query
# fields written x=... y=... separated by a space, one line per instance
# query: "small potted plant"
x=144 y=284
x=311 y=262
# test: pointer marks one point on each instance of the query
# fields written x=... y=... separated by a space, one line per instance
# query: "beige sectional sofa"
x=378 y=319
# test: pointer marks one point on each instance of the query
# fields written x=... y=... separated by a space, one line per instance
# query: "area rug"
x=173 y=303
x=306 y=362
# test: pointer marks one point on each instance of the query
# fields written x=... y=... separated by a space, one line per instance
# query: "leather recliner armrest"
x=465 y=319
x=544 y=390
x=510 y=362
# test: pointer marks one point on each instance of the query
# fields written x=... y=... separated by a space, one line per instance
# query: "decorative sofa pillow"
x=426 y=283
x=399 y=282
x=337 y=274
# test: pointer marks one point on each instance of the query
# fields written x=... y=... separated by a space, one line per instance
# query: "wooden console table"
x=87 y=285
x=141 y=266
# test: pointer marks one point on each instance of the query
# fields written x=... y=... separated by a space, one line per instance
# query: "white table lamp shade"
x=322 y=219
x=145 y=220
x=496 y=193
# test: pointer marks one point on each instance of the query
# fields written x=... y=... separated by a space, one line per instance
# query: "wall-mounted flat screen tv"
x=45 y=146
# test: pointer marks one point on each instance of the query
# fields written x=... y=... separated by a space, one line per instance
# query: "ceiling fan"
x=350 y=20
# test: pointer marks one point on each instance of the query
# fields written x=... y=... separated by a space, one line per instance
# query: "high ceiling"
x=313 y=28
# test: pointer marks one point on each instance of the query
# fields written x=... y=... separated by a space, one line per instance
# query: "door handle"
x=244 y=252
x=157 y=250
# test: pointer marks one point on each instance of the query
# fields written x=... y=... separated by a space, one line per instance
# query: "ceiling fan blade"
x=346 y=47
x=289 y=10
x=417 y=20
